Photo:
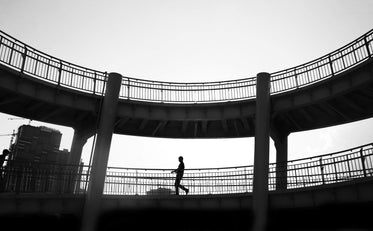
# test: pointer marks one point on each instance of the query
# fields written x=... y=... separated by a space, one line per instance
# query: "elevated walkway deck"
x=355 y=191
x=340 y=205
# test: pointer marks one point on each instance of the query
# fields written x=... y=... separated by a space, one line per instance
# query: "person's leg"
x=177 y=185
x=183 y=188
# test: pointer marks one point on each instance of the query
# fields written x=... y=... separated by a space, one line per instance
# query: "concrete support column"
x=261 y=154
x=281 y=144
x=79 y=140
x=101 y=153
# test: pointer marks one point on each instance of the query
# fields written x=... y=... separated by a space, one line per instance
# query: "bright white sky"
x=191 y=41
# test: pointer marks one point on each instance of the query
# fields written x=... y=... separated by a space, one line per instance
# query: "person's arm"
x=176 y=170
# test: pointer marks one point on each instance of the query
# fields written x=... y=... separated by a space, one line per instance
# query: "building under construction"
x=39 y=144
x=36 y=152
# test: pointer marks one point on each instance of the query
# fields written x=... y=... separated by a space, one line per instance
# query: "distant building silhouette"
x=160 y=191
x=37 y=165
x=39 y=145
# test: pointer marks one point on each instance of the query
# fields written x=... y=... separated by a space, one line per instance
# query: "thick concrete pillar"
x=79 y=140
x=261 y=153
x=101 y=153
x=281 y=143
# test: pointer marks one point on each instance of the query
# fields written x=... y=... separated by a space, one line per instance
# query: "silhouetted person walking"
x=179 y=175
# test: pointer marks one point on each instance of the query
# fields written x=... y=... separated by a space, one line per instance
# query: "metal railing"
x=25 y=59
x=25 y=177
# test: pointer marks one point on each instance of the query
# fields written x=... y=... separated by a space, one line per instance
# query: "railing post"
x=322 y=171
x=59 y=74
x=367 y=46
x=162 y=100
x=11 y=54
x=331 y=65
x=296 y=176
x=105 y=82
x=335 y=170
x=348 y=166
x=128 y=88
x=296 y=78
x=77 y=179
x=308 y=174
x=363 y=162
x=36 y=64
x=48 y=66
x=246 y=181
x=24 y=56
x=136 y=183
x=94 y=83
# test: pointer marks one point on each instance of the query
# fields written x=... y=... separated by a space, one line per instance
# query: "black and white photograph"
x=186 y=115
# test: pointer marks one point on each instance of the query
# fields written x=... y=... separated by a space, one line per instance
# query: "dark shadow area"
x=176 y=220
x=330 y=217
x=346 y=216
x=39 y=222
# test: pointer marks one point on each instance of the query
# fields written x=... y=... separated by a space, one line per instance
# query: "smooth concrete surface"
x=261 y=150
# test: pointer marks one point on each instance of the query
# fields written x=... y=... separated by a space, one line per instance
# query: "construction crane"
x=12 y=136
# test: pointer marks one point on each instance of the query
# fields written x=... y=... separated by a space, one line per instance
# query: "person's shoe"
x=187 y=191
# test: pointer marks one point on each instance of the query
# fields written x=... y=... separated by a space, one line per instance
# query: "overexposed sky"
x=191 y=41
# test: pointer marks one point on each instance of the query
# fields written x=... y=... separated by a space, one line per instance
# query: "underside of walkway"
x=343 y=99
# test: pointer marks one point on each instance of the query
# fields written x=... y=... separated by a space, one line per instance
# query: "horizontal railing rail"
x=25 y=59
x=27 y=177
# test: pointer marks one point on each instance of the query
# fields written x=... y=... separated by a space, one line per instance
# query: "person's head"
x=6 y=152
x=181 y=158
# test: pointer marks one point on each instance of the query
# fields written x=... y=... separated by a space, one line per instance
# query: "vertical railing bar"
x=348 y=166
x=94 y=82
x=335 y=169
x=128 y=88
x=59 y=74
x=343 y=61
x=1 y=41
x=354 y=52
x=24 y=56
x=296 y=78
x=11 y=54
x=363 y=162
x=322 y=171
x=367 y=46
x=71 y=70
x=36 y=63
x=83 y=75
x=47 y=72
x=331 y=65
